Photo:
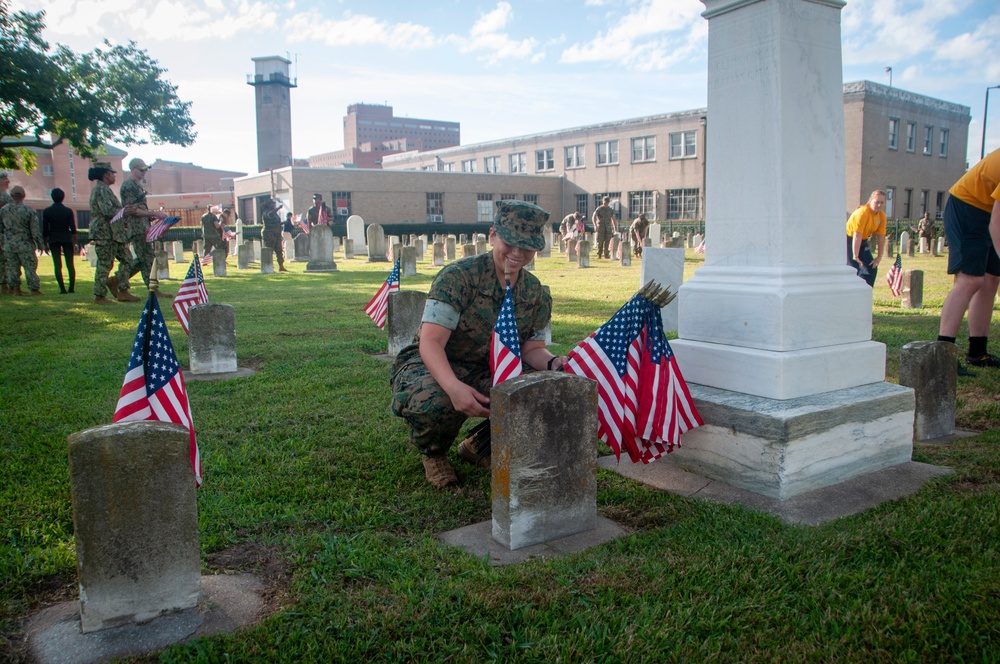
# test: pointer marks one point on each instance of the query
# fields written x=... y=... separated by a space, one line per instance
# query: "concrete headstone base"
x=784 y=448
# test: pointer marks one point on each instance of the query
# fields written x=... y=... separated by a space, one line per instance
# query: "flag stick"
x=153 y=282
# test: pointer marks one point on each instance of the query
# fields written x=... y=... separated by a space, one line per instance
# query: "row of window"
x=379 y=123
x=682 y=145
x=911 y=138
x=907 y=210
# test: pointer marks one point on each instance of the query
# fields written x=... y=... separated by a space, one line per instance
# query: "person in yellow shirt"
x=867 y=220
x=972 y=226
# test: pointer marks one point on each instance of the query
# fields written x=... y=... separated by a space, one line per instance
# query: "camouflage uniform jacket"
x=272 y=226
x=5 y=198
x=132 y=193
x=604 y=215
x=639 y=228
x=471 y=289
x=20 y=228
x=210 y=228
x=104 y=205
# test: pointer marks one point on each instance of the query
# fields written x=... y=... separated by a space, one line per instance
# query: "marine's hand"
x=470 y=401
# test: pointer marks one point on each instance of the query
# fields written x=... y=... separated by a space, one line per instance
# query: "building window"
x=615 y=203
x=607 y=153
x=435 y=207
x=341 y=205
x=491 y=164
x=644 y=149
x=928 y=139
x=907 y=199
x=911 y=136
x=642 y=202
x=468 y=165
x=682 y=203
x=893 y=133
x=47 y=170
x=574 y=156
x=484 y=207
x=890 y=193
x=531 y=198
x=924 y=195
x=944 y=143
x=508 y=197
x=545 y=160
x=940 y=205
x=581 y=203
x=683 y=144
x=518 y=162
x=449 y=167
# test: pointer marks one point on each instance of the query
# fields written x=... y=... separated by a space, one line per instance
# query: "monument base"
x=781 y=449
x=321 y=266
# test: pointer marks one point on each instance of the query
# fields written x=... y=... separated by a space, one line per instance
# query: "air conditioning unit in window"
x=342 y=211
x=435 y=218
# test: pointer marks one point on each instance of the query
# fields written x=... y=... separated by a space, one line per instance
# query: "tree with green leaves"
x=49 y=95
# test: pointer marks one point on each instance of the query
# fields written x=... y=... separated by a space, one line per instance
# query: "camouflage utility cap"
x=519 y=224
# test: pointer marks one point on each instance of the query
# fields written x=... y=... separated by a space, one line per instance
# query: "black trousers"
x=68 y=252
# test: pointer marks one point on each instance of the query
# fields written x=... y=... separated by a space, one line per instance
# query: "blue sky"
x=501 y=68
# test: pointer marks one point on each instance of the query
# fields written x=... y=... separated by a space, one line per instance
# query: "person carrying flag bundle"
x=109 y=233
x=271 y=234
x=138 y=220
x=443 y=378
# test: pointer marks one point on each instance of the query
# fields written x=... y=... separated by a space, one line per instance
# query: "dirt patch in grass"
x=264 y=562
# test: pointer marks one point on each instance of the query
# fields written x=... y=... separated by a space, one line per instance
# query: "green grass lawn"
x=310 y=483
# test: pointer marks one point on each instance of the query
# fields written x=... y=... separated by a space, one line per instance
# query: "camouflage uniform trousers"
x=604 y=232
x=18 y=257
x=3 y=263
x=274 y=242
x=107 y=254
x=144 y=259
x=426 y=407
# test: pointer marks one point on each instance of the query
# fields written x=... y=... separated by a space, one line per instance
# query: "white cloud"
x=488 y=37
x=654 y=35
x=883 y=31
x=357 y=30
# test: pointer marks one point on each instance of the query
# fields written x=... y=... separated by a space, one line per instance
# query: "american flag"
x=192 y=292
x=154 y=385
x=302 y=222
x=505 y=347
x=323 y=217
x=159 y=228
x=700 y=249
x=207 y=259
x=378 y=308
x=643 y=401
x=895 y=276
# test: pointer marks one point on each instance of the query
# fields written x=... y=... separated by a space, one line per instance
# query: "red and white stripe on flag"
x=505 y=345
x=154 y=388
x=643 y=402
x=895 y=277
x=191 y=292
x=378 y=307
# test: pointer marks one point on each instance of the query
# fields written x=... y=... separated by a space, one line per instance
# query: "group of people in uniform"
x=606 y=226
x=20 y=239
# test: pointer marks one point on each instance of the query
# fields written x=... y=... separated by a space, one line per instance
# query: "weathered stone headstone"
x=300 y=248
x=348 y=248
x=626 y=253
x=929 y=367
x=923 y=248
x=356 y=232
x=376 y=244
x=178 y=249
x=402 y=322
x=544 y=471
x=336 y=244
x=198 y=247
x=913 y=248
x=904 y=243
x=135 y=520
x=653 y=235
x=546 y=251
x=321 y=249
x=614 y=245
x=463 y=238
x=572 y=255
x=239 y=232
x=162 y=265
x=468 y=250
x=940 y=246
x=219 y=262
x=689 y=241
x=438 y=254
x=267 y=260
x=212 y=338
x=583 y=254
x=913 y=289
x=256 y=250
x=665 y=267
x=395 y=250
x=889 y=246
x=243 y=256
x=696 y=240
x=408 y=261
x=91 y=250
x=449 y=248
x=933 y=247
x=481 y=247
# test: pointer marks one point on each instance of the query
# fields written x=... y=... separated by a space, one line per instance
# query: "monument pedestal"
x=783 y=448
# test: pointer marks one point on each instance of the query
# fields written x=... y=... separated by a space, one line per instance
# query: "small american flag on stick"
x=154 y=385
x=192 y=292
x=378 y=308
x=159 y=228
x=895 y=276
x=643 y=402
x=505 y=346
